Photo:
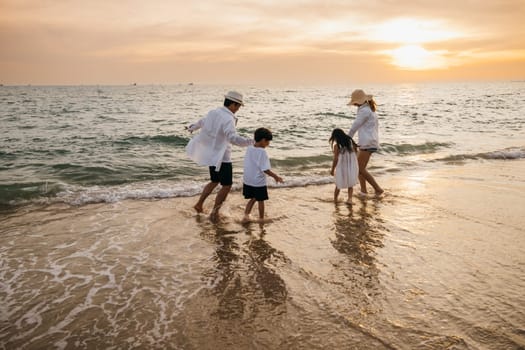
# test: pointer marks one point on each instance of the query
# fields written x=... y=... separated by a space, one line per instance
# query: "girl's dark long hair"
x=342 y=140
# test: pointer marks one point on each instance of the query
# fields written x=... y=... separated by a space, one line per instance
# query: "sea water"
x=100 y=246
x=86 y=144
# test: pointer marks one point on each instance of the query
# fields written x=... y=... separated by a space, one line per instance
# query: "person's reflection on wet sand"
x=260 y=257
x=226 y=275
x=243 y=280
x=358 y=235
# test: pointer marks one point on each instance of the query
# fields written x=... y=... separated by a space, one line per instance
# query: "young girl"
x=345 y=164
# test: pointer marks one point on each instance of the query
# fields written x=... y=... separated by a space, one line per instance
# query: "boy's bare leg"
x=261 y=209
x=219 y=199
x=248 y=210
x=206 y=191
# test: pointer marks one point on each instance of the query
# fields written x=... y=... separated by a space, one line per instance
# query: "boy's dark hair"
x=262 y=133
x=228 y=102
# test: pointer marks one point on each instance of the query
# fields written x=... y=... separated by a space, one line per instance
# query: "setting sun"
x=412 y=34
x=415 y=57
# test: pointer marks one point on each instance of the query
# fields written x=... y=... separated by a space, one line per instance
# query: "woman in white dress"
x=344 y=166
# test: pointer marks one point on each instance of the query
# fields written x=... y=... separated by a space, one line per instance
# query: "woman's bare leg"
x=364 y=176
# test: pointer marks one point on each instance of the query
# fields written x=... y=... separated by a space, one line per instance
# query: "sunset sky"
x=287 y=41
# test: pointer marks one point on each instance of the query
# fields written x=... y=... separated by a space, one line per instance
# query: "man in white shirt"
x=212 y=148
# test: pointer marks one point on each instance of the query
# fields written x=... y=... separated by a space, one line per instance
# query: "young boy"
x=256 y=167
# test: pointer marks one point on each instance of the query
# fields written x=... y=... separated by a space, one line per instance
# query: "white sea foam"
x=98 y=194
x=505 y=154
x=512 y=153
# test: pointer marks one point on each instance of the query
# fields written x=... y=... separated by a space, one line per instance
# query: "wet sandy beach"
x=436 y=263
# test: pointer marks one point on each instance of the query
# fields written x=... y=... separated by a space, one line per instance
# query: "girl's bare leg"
x=350 y=192
x=336 y=194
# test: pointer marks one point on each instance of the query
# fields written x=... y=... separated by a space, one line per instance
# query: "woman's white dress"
x=346 y=170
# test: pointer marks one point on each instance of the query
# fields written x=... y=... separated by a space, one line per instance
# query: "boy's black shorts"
x=224 y=176
x=259 y=193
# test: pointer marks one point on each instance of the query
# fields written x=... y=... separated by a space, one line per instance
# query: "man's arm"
x=195 y=126
x=234 y=138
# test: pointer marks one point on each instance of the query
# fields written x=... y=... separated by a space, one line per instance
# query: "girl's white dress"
x=346 y=170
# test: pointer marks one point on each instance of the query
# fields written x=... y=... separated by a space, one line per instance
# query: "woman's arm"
x=360 y=119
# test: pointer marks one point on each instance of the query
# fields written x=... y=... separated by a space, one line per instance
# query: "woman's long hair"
x=342 y=140
x=372 y=104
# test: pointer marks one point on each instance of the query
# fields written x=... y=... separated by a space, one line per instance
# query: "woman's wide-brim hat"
x=359 y=97
x=235 y=97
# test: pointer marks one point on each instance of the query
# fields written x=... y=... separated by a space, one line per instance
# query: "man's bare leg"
x=206 y=191
x=221 y=197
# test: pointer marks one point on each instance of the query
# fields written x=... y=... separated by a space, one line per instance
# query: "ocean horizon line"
x=266 y=84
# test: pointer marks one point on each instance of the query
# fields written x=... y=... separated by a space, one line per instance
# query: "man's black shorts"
x=259 y=193
x=224 y=176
